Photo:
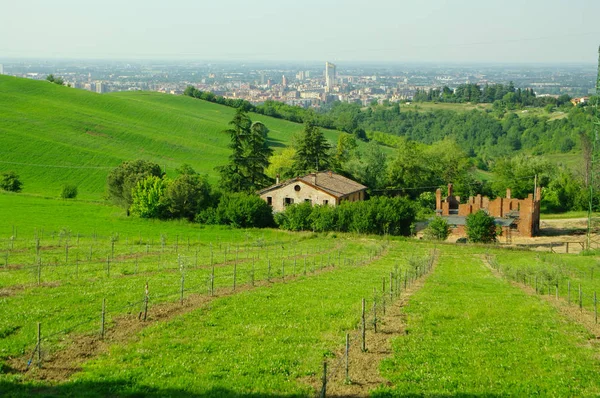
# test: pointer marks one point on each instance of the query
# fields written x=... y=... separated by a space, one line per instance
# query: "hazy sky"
x=458 y=31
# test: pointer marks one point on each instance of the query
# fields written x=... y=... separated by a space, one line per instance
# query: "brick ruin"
x=515 y=216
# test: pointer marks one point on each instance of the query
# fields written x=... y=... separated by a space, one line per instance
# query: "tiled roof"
x=332 y=183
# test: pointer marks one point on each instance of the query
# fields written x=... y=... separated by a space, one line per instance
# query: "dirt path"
x=59 y=365
x=363 y=367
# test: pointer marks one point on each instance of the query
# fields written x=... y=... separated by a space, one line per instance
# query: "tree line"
x=505 y=95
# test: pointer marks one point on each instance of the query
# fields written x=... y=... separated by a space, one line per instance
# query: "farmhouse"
x=323 y=188
x=515 y=216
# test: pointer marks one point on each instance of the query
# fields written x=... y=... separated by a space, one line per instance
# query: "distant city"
x=307 y=85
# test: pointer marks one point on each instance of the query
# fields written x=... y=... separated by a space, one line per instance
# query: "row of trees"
x=474 y=93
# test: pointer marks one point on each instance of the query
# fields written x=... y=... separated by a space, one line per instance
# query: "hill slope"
x=52 y=135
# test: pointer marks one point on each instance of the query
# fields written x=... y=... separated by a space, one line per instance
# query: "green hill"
x=52 y=135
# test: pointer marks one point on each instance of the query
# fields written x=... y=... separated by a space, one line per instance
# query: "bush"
x=149 y=198
x=124 y=178
x=69 y=191
x=239 y=210
x=481 y=228
x=379 y=215
x=11 y=182
x=296 y=217
x=187 y=195
x=438 y=229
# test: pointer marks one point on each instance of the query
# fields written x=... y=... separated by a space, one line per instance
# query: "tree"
x=122 y=179
x=149 y=199
x=411 y=168
x=280 y=165
x=312 y=151
x=370 y=169
x=56 y=80
x=438 y=229
x=11 y=182
x=258 y=154
x=481 y=228
x=187 y=195
x=245 y=171
x=346 y=148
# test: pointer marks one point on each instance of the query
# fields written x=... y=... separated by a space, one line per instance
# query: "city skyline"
x=460 y=32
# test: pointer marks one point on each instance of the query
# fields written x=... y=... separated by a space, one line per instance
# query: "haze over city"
x=468 y=31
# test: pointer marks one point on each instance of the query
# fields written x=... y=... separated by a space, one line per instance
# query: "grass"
x=52 y=135
x=470 y=333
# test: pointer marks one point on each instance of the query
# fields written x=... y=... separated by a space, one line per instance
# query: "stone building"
x=323 y=188
x=515 y=216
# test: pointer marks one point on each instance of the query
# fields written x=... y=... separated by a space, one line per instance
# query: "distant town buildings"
x=306 y=85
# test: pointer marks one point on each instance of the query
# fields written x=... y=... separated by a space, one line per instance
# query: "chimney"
x=508 y=192
x=450 y=192
x=277 y=179
x=438 y=199
x=330 y=173
x=538 y=193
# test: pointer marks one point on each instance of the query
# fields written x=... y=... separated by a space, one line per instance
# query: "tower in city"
x=284 y=81
x=329 y=76
x=1 y=69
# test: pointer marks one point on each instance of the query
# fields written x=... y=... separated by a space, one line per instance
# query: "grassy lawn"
x=470 y=333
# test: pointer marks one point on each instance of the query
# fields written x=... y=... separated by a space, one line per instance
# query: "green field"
x=52 y=135
x=262 y=309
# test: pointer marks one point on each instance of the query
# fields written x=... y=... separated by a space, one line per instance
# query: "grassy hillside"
x=52 y=135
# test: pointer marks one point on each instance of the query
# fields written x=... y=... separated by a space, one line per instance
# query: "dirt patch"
x=60 y=364
x=12 y=290
x=363 y=366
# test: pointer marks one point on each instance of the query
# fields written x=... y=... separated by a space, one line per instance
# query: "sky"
x=396 y=31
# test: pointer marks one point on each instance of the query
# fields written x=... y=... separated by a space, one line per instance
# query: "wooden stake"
x=347 y=358
x=39 y=344
x=324 y=388
x=364 y=327
x=103 y=318
x=146 y=302
x=182 y=284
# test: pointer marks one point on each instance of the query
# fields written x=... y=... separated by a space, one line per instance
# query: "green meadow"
x=262 y=310
x=52 y=135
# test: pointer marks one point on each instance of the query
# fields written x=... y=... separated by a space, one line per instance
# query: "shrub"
x=379 y=215
x=148 y=198
x=10 y=181
x=187 y=195
x=296 y=217
x=240 y=210
x=69 y=191
x=124 y=178
x=438 y=229
x=323 y=218
x=481 y=228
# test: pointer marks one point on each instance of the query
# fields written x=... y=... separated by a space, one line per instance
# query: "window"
x=270 y=200
x=325 y=202
x=297 y=188
x=288 y=201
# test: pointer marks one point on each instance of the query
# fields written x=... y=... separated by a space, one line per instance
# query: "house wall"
x=306 y=192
